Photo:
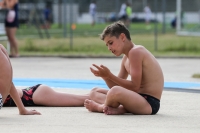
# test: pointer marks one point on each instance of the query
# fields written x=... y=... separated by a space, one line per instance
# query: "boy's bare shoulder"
x=137 y=49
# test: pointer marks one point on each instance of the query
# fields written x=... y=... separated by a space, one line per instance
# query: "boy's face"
x=114 y=44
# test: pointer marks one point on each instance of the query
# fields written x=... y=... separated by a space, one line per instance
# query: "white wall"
x=74 y=12
x=189 y=17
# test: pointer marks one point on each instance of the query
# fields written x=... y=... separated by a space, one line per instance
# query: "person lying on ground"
x=43 y=95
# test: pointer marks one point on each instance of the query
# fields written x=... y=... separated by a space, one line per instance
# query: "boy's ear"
x=123 y=37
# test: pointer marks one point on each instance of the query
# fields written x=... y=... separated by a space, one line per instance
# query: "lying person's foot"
x=113 y=111
x=93 y=106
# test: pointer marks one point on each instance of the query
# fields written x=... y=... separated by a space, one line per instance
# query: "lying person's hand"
x=30 y=112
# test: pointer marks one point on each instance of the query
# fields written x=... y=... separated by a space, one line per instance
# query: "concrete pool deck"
x=179 y=110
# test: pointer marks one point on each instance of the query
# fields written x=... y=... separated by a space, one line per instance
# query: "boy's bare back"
x=152 y=80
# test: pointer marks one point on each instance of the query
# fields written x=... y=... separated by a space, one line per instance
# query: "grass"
x=86 y=41
x=168 y=45
x=84 y=30
x=196 y=75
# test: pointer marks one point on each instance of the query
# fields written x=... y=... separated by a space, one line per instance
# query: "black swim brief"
x=154 y=103
x=26 y=97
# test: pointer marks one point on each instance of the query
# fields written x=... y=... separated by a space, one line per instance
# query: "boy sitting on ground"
x=142 y=93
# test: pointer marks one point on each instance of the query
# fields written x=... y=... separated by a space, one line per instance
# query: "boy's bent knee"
x=114 y=91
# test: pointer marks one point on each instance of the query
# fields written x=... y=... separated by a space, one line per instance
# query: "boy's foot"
x=114 y=111
x=93 y=106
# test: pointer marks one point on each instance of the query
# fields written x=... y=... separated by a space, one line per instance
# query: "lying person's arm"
x=22 y=110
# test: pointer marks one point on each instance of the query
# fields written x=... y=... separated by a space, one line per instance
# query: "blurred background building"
x=106 y=11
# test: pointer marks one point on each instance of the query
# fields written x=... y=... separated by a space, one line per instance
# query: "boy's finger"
x=92 y=70
x=96 y=66
x=102 y=66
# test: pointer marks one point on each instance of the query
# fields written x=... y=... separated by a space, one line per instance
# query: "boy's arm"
x=109 y=82
x=18 y=102
x=122 y=74
x=128 y=84
x=135 y=59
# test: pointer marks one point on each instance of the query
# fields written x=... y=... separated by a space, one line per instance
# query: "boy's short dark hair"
x=115 y=29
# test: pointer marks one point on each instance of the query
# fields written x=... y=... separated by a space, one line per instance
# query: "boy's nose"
x=109 y=48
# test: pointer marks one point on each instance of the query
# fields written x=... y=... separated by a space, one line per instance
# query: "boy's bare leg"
x=93 y=106
x=97 y=98
x=120 y=100
x=98 y=95
x=46 y=96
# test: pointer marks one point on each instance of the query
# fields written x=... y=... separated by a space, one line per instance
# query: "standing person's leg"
x=11 y=34
x=44 y=95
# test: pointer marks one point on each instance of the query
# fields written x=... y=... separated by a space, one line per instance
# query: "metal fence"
x=72 y=16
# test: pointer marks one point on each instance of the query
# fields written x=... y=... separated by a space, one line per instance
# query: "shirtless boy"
x=142 y=93
x=6 y=85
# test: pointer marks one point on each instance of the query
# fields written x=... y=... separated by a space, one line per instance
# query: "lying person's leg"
x=42 y=95
x=46 y=96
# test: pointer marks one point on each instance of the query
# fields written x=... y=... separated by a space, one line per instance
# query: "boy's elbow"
x=135 y=88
